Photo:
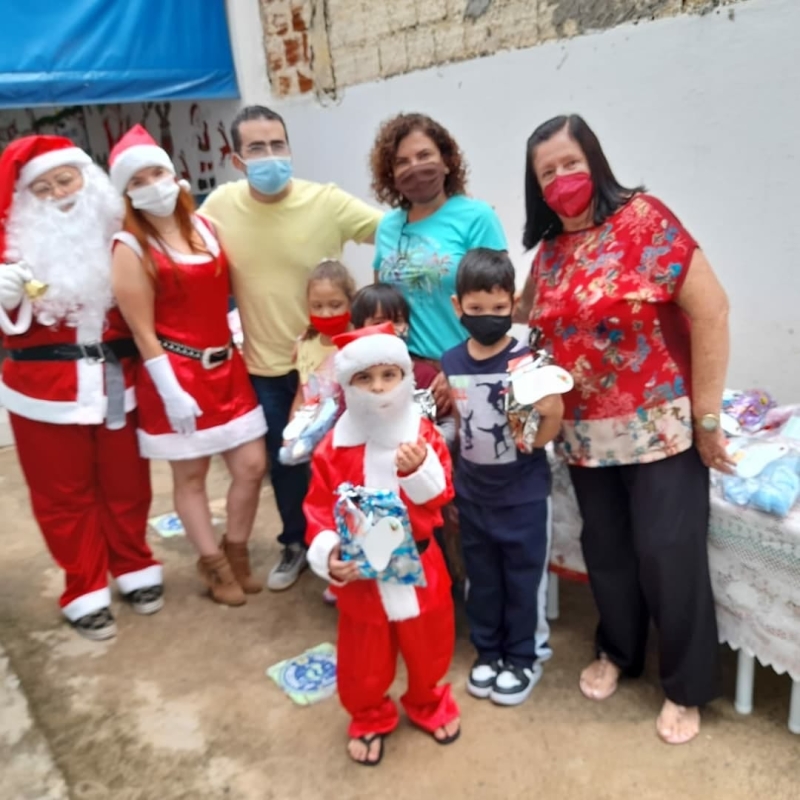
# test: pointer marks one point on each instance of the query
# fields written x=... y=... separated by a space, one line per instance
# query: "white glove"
x=181 y=407
x=12 y=284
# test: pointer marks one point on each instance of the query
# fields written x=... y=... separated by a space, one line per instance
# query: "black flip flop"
x=368 y=740
x=448 y=739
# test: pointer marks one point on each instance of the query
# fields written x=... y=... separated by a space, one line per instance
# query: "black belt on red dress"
x=210 y=357
x=99 y=351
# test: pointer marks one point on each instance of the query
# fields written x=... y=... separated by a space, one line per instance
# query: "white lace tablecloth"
x=754 y=560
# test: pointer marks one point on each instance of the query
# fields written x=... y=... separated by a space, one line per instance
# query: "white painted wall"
x=704 y=110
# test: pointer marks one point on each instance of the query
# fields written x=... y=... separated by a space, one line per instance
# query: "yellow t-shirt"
x=272 y=248
x=312 y=354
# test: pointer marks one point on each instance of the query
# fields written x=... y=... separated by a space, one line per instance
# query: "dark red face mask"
x=421 y=183
x=570 y=195
x=330 y=326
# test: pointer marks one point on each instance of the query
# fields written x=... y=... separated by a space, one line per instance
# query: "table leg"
x=551 y=610
x=794 y=708
x=745 y=673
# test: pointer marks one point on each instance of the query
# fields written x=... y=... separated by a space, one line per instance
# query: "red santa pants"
x=90 y=493
x=367 y=661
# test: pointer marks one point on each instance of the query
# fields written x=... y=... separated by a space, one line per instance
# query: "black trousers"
x=505 y=554
x=644 y=536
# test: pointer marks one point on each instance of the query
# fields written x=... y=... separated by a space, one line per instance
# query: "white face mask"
x=158 y=199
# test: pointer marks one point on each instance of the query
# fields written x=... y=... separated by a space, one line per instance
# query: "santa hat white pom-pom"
x=185 y=185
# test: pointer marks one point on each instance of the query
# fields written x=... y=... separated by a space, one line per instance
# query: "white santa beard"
x=70 y=250
x=382 y=417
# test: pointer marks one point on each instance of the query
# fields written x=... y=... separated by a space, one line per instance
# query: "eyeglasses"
x=263 y=149
x=64 y=184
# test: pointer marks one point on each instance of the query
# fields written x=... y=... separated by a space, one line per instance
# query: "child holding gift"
x=381 y=442
x=501 y=492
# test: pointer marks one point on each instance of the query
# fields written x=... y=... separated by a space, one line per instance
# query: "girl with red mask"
x=626 y=300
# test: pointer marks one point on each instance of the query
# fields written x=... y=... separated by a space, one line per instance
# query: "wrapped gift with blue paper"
x=306 y=430
x=375 y=532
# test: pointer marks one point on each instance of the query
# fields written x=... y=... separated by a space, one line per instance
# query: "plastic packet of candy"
x=306 y=430
x=375 y=533
x=530 y=378
x=426 y=403
x=748 y=408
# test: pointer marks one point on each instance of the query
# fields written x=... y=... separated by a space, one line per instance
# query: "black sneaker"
x=96 y=626
x=514 y=684
x=482 y=676
x=147 y=600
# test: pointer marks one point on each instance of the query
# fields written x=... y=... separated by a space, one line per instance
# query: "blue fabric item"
x=774 y=490
x=60 y=53
x=490 y=469
x=421 y=259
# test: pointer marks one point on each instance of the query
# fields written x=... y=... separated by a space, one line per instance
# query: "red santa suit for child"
x=67 y=382
x=376 y=618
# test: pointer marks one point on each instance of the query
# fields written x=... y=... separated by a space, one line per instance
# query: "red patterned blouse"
x=605 y=302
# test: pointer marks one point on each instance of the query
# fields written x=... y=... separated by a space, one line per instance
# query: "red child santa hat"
x=28 y=158
x=136 y=150
x=367 y=347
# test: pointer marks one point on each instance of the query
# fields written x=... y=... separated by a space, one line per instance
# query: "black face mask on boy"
x=486 y=329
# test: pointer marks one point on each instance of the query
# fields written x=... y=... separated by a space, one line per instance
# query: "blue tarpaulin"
x=80 y=52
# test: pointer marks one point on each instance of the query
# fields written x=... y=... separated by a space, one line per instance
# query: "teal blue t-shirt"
x=421 y=260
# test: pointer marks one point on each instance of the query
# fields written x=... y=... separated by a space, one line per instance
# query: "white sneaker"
x=513 y=685
x=482 y=676
x=286 y=572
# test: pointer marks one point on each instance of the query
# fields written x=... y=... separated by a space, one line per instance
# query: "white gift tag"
x=381 y=540
x=532 y=385
x=751 y=458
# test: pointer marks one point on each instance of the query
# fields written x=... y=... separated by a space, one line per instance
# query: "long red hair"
x=136 y=223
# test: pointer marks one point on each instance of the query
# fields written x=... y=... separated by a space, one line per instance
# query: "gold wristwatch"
x=709 y=423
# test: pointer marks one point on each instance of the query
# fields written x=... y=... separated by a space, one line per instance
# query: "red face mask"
x=331 y=326
x=570 y=195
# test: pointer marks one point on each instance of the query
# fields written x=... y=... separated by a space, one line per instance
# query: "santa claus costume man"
x=67 y=379
x=381 y=442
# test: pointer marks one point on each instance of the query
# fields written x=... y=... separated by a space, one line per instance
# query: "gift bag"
x=530 y=378
x=306 y=430
x=425 y=403
x=375 y=532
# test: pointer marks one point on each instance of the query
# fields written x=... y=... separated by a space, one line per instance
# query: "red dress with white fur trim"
x=191 y=308
x=376 y=619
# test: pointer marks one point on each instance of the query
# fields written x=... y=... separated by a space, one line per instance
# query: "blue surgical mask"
x=269 y=175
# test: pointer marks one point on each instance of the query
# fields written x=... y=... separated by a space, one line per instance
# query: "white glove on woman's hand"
x=13 y=278
x=181 y=407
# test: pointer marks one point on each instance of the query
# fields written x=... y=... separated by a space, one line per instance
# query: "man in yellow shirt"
x=275 y=229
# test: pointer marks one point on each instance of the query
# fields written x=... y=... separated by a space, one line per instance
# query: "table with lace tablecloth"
x=754 y=559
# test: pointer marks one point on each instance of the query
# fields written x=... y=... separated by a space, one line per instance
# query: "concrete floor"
x=178 y=706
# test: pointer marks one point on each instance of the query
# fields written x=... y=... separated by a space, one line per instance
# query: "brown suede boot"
x=218 y=575
x=239 y=559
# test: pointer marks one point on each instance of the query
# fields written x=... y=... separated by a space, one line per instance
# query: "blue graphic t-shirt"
x=421 y=259
x=491 y=470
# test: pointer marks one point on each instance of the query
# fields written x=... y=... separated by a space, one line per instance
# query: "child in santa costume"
x=381 y=442
x=67 y=379
x=195 y=398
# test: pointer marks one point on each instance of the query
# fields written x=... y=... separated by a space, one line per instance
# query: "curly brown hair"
x=384 y=151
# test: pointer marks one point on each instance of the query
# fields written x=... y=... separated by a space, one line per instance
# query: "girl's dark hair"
x=329 y=269
x=483 y=270
x=383 y=297
x=541 y=222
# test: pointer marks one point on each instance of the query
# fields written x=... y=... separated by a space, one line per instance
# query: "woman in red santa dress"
x=195 y=398
x=67 y=380
x=381 y=442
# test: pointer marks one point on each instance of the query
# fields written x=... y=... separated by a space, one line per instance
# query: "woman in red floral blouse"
x=629 y=304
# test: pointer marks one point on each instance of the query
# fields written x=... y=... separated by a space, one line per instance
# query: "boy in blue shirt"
x=501 y=493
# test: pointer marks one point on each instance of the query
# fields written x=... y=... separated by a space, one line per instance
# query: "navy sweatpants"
x=505 y=555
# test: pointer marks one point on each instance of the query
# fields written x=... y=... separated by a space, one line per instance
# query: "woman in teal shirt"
x=418 y=170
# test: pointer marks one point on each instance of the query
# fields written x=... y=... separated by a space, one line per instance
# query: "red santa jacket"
x=346 y=455
x=62 y=392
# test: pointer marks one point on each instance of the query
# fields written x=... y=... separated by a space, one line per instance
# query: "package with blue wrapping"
x=375 y=532
x=306 y=430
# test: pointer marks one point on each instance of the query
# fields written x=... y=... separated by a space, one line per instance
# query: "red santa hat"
x=366 y=347
x=28 y=158
x=136 y=150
